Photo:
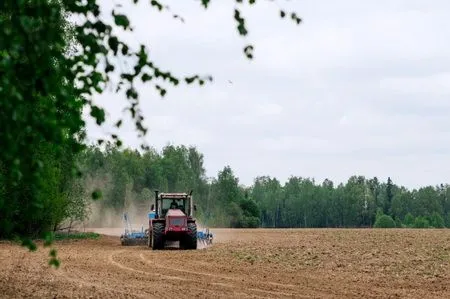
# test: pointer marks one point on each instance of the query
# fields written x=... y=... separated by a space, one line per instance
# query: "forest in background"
x=128 y=178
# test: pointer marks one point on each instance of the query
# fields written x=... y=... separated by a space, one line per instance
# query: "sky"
x=358 y=88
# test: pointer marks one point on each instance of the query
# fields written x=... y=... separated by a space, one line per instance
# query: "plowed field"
x=315 y=263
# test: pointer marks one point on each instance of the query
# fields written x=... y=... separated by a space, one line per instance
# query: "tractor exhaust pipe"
x=156 y=203
x=191 y=207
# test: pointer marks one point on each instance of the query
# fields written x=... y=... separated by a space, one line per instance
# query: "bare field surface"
x=261 y=263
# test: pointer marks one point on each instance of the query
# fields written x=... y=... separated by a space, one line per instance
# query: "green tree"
x=421 y=222
x=250 y=213
x=355 y=195
x=327 y=189
x=409 y=220
x=436 y=220
x=228 y=197
x=375 y=194
x=427 y=201
x=389 y=196
x=41 y=114
x=385 y=221
x=401 y=203
x=267 y=193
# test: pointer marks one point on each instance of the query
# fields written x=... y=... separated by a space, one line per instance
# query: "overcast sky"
x=360 y=87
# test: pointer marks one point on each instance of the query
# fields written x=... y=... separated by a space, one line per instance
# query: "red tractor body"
x=176 y=222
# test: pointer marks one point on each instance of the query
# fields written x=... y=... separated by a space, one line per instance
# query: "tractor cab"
x=165 y=202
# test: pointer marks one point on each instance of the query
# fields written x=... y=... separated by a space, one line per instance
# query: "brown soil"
x=316 y=263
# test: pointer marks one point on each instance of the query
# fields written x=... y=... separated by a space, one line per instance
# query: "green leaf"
x=282 y=14
x=121 y=20
x=295 y=18
x=54 y=262
x=109 y=68
x=189 y=80
x=124 y=49
x=241 y=23
x=146 y=77
x=205 y=3
x=128 y=77
x=175 y=16
x=113 y=43
x=161 y=90
x=248 y=50
x=99 y=114
x=52 y=252
x=157 y=4
x=97 y=194
x=145 y=147
x=131 y=93
x=27 y=242
x=49 y=237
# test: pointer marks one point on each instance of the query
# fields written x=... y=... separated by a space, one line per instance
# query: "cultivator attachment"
x=205 y=237
x=133 y=237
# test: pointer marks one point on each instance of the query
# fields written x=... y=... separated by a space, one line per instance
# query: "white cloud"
x=358 y=88
x=268 y=109
x=434 y=85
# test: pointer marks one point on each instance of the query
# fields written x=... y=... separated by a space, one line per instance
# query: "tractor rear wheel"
x=157 y=239
x=190 y=241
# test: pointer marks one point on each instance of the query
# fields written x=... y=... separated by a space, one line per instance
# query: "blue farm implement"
x=205 y=237
x=132 y=237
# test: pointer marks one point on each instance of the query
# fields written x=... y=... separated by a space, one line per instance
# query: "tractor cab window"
x=172 y=204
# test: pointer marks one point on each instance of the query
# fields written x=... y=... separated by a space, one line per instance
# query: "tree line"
x=129 y=176
x=117 y=178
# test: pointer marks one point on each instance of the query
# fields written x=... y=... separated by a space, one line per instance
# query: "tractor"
x=171 y=220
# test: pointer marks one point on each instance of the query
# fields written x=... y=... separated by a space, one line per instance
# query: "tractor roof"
x=173 y=195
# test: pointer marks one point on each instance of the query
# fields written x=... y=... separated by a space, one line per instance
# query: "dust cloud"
x=109 y=221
